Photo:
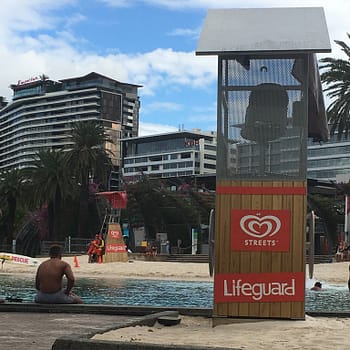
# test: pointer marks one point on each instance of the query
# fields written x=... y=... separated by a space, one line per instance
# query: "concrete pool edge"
x=101 y=309
x=131 y=310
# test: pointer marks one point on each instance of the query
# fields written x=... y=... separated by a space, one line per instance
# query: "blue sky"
x=151 y=43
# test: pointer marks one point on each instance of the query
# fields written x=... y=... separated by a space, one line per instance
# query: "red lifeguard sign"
x=115 y=245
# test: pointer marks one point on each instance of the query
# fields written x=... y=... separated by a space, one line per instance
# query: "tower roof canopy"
x=264 y=30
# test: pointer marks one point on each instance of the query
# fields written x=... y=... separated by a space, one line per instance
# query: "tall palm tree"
x=11 y=187
x=89 y=160
x=336 y=76
x=52 y=183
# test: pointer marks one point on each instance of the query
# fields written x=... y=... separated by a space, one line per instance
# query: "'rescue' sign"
x=260 y=230
x=19 y=259
x=259 y=287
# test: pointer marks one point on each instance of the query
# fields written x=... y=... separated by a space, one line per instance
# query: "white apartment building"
x=42 y=111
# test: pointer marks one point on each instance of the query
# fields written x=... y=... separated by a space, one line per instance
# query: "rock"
x=169 y=320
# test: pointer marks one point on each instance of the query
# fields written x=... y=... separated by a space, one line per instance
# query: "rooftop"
x=262 y=30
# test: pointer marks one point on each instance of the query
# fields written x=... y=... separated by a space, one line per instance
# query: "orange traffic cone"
x=76 y=262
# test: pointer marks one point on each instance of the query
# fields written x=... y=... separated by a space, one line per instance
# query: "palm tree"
x=52 y=183
x=11 y=187
x=89 y=160
x=337 y=78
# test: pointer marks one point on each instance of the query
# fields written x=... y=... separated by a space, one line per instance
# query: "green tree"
x=52 y=184
x=11 y=188
x=152 y=205
x=89 y=160
x=329 y=209
x=336 y=76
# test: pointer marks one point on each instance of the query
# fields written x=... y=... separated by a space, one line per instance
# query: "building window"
x=155 y=158
x=182 y=165
x=141 y=160
x=185 y=155
x=209 y=147
x=210 y=156
x=209 y=166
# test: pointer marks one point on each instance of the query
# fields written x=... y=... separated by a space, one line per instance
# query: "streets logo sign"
x=260 y=230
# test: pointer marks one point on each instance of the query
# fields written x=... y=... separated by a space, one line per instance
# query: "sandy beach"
x=333 y=273
x=121 y=270
x=313 y=333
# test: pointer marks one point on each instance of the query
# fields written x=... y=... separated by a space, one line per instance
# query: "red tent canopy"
x=118 y=199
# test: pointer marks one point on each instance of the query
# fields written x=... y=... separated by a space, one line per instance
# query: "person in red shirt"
x=92 y=251
x=100 y=249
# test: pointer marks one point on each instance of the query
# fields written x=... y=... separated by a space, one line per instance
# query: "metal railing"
x=70 y=245
x=6 y=248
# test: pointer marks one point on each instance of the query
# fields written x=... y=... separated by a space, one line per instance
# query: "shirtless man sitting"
x=48 y=280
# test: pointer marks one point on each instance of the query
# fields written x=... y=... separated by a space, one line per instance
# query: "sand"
x=120 y=270
x=313 y=333
x=333 y=273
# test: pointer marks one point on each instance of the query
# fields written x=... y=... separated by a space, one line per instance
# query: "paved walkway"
x=38 y=331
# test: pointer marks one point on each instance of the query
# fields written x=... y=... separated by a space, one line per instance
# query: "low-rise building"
x=329 y=161
x=175 y=154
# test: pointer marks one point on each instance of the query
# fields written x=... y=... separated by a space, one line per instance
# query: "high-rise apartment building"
x=42 y=111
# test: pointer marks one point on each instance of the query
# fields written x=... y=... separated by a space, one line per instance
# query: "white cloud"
x=119 y=3
x=74 y=19
x=337 y=5
x=152 y=129
x=23 y=15
x=163 y=106
x=58 y=59
x=187 y=32
x=201 y=118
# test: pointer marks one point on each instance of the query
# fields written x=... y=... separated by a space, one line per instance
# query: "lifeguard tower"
x=115 y=248
x=269 y=102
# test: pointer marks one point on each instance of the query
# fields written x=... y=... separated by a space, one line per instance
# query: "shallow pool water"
x=121 y=292
x=334 y=298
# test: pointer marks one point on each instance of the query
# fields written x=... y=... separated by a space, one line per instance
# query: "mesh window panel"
x=262 y=118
